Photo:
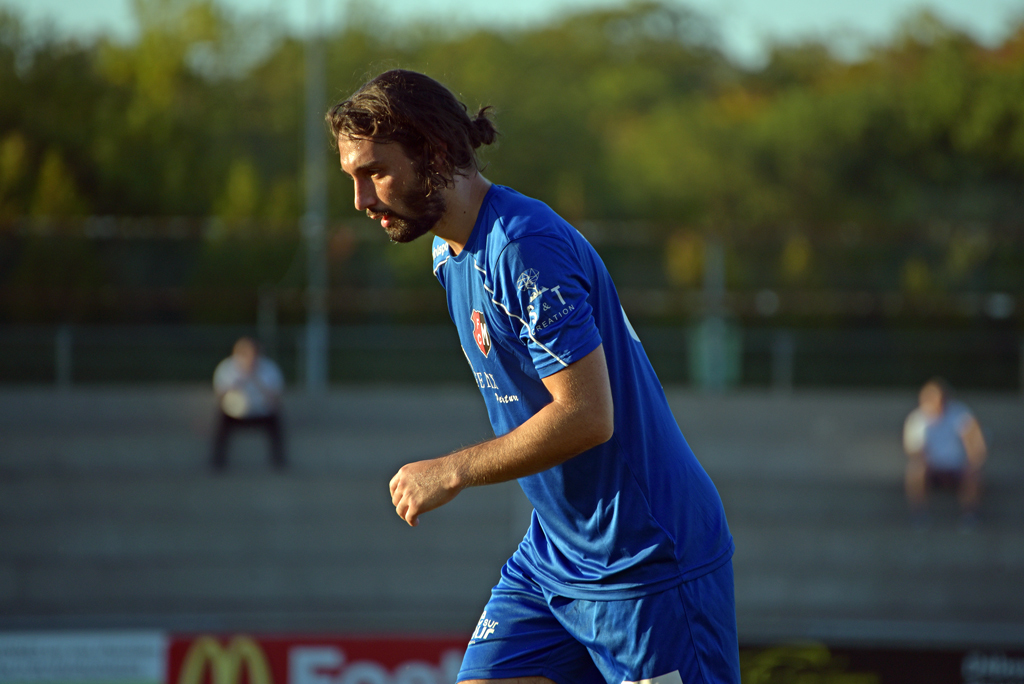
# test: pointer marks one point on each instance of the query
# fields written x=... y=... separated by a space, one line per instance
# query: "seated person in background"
x=249 y=388
x=945 y=446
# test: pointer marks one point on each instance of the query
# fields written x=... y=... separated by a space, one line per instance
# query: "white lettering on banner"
x=326 y=665
x=365 y=672
x=451 y=663
x=314 y=664
x=982 y=668
x=416 y=672
x=69 y=657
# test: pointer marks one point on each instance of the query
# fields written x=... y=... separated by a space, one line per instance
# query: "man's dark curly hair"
x=421 y=115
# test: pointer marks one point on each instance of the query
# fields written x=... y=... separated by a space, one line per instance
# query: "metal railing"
x=778 y=358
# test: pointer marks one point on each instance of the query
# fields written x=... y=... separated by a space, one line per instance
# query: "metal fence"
x=732 y=356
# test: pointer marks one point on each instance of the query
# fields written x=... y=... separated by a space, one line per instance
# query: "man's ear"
x=440 y=158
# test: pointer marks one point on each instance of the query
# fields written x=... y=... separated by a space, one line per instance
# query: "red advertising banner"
x=242 y=659
x=120 y=657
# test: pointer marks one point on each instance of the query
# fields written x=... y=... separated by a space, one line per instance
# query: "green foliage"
x=53 y=279
x=624 y=114
x=56 y=194
x=13 y=154
x=230 y=270
x=799 y=664
x=241 y=193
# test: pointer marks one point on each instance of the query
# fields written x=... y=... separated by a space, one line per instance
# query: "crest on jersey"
x=480 y=334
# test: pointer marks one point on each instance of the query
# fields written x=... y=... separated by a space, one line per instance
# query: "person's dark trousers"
x=226 y=425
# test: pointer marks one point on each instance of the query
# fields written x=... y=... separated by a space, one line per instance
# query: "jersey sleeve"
x=540 y=284
x=439 y=254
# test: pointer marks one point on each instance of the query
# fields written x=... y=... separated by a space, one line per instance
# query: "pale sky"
x=746 y=26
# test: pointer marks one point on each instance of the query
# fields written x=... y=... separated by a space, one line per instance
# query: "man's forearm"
x=552 y=436
x=580 y=416
x=974 y=444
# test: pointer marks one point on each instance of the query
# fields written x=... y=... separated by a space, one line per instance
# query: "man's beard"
x=424 y=212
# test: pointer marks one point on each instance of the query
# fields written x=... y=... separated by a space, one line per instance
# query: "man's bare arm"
x=579 y=417
x=974 y=444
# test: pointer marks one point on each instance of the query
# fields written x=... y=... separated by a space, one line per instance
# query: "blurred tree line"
x=902 y=169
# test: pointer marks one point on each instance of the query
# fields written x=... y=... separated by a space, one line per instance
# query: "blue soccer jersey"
x=630 y=517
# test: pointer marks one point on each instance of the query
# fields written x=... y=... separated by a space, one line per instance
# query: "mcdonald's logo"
x=225 y=663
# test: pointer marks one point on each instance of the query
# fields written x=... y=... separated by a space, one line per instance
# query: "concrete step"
x=110 y=518
x=873 y=504
x=892 y=595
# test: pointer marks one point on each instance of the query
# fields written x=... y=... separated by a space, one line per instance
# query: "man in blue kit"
x=625 y=573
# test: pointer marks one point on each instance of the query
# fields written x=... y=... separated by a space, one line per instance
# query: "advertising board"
x=238 y=658
x=242 y=659
x=83 y=657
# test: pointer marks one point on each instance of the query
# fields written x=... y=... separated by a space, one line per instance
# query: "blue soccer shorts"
x=685 y=635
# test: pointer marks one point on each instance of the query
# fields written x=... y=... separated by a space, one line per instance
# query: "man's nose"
x=365 y=195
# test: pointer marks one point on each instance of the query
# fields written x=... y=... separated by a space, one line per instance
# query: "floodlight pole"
x=316 y=205
x=713 y=327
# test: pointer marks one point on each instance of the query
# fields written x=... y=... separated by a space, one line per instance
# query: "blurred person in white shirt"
x=945 y=447
x=248 y=386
